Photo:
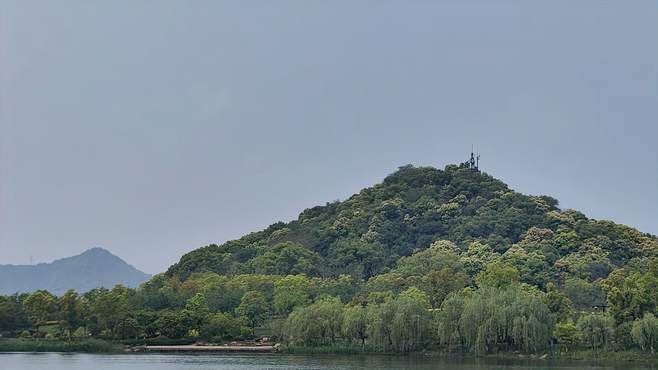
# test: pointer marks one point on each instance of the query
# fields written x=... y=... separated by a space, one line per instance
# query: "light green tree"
x=291 y=291
x=645 y=332
x=40 y=307
x=69 y=312
x=497 y=274
x=567 y=334
x=598 y=330
x=253 y=306
x=355 y=324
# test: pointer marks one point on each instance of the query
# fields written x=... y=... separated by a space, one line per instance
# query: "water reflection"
x=63 y=361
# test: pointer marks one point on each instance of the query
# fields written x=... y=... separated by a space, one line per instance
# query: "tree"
x=567 y=334
x=557 y=302
x=110 y=308
x=411 y=321
x=253 y=306
x=223 y=325
x=598 y=330
x=69 y=312
x=40 y=307
x=172 y=324
x=630 y=294
x=196 y=310
x=286 y=258
x=476 y=257
x=589 y=263
x=505 y=318
x=290 y=292
x=12 y=315
x=449 y=331
x=583 y=294
x=379 y=330
x=645 y=332
x=317 y=324
x=497 y=274
x=441 y=254
x=355 y=324
x=438 y=284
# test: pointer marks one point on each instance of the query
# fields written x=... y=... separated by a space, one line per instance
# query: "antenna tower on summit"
x=474 y=162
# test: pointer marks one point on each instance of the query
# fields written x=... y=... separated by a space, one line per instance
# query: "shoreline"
x=98 y=346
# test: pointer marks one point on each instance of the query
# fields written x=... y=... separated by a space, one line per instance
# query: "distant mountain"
x=93 y=268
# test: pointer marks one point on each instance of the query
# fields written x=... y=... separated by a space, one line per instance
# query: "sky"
x=151 y=128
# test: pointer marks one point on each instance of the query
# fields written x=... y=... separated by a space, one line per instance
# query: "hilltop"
x=94 y=268
x=414 y=207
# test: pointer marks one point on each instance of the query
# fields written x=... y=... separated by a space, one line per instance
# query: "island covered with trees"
x=446 y=260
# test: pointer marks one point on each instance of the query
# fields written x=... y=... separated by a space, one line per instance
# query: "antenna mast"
x=474 y=162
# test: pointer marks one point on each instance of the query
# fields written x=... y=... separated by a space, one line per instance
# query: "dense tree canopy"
x=429 y=258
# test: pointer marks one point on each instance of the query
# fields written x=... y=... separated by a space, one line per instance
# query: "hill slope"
x=93 y=268
x=366 y=234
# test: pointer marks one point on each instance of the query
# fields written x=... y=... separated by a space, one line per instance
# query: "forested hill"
x=366 y=234
x=427 y=260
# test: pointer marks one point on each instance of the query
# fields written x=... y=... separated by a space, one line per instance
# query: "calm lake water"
x=61 y=361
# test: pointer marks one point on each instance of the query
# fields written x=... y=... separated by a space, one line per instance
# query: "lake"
x=67 y=361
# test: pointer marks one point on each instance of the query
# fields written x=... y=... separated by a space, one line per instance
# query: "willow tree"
x=598 y=330
x=379 y=329
x=645 y=332
x=411 y=321
x=449 y=330
x=505 y=318
x=315 y=325
x=355 y=322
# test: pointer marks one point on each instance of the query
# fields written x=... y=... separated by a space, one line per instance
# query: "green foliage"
x=411 y=322
x=630 y=294
x=504 y=319
x=449 y=330
x=557 y=302
x=12 y=315
x=172 y=324
x=254 y=307
x=224 y=326
x=583 y=294
x=645 y=332
x=597 y=329
x=286 y=258
x=196 y=310
x=290 y=292
x=69 y=312
x=567 y=334
x=355 y=323
x=317 y=324
x=497 y=274
x=450 y=258
x=40 y=307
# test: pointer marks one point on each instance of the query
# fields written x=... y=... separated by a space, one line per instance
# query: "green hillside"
x=366 y=234
x=449 y=260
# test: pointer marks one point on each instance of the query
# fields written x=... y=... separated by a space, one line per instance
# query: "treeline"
x=205 y=306
x=492 y=312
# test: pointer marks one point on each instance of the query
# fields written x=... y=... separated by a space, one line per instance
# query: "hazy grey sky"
x=154 y=127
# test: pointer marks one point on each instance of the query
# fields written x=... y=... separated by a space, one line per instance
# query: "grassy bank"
x=606 y=355
x=324 y=350
x=48 y=345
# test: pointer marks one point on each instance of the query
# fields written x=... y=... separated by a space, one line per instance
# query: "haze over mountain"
x=91 y=269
